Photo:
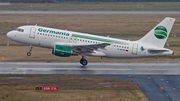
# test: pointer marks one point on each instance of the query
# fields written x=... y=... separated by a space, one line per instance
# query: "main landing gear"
x=30 y=49
x=83 y=61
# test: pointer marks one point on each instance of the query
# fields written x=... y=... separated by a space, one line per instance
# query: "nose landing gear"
x=30 y=49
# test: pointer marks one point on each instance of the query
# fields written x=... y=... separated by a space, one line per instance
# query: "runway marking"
x=101 y=69
x=89 y=12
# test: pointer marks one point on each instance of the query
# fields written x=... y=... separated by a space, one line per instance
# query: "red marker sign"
x=50 y=88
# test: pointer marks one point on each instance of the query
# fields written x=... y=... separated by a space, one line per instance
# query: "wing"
x=88 y=48
x=91 y=49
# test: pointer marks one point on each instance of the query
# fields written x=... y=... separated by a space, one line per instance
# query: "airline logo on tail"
x=160 y=32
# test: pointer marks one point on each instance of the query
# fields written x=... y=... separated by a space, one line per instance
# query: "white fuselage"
x=48 y=37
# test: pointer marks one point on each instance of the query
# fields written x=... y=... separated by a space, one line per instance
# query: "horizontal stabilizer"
x=156 y=51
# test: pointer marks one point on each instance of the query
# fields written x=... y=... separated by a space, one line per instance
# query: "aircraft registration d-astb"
x=65 y=43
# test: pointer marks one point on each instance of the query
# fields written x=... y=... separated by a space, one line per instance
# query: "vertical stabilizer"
x=159 y=34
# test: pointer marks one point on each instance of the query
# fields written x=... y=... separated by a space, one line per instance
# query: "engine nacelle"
x=63 y=51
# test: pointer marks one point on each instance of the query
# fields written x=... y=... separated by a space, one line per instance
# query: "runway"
x=89 y=12
x=91 y=68
x=148 y=76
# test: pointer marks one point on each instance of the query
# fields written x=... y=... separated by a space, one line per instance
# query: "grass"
x=76 y=88
x=122 y=6
x=124 y=26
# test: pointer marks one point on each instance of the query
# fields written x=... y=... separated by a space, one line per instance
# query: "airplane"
x=66 y=43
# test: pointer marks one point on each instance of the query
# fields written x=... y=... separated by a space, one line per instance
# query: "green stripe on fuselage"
x=99 y=39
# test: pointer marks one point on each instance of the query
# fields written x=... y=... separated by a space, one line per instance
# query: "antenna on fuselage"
x=108 y=36
x=65 y=28
x=35 y=24
x=27 y=21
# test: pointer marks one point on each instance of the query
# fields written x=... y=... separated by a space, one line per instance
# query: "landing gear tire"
x=30 y=49
x=28 y=53
x=83 y=62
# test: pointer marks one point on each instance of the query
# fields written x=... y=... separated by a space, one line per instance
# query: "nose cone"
x=9 y=35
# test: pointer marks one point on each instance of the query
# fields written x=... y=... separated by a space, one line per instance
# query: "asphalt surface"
x=91 y=68
x=89 y=12
x=150 y=85
x=150 y=77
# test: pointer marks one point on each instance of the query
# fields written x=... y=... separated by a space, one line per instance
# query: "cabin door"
x=134 y=49
x=32 y=32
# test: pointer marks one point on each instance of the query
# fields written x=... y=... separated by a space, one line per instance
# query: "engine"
x=63 y=51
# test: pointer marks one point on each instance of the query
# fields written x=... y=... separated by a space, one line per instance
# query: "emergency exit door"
x=32 y=32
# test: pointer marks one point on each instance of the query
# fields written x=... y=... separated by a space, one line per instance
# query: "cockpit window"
x=20 y=30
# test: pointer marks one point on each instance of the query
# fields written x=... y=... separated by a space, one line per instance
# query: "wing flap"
x=88 y=49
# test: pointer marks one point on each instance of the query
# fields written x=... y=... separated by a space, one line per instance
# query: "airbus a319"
x=66 y=43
